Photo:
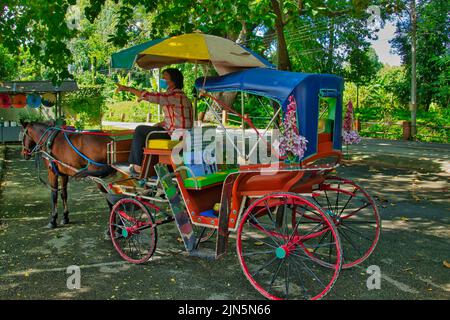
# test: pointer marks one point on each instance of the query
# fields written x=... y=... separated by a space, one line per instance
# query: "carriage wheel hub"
x=125 y=233
x=282 y=252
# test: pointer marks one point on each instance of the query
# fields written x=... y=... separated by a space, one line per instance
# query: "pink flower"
x=348 y=119
x=292 y=144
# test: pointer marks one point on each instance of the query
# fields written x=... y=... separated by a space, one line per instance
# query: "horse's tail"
x=104 y=172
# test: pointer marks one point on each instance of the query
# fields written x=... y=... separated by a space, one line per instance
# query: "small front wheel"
x=280 y=250
x=133 y=230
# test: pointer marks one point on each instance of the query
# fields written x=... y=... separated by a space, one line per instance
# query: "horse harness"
x=43 y=149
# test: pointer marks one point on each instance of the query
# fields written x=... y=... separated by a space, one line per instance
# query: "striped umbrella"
x=225 y=55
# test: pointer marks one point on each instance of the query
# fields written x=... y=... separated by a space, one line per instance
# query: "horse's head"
x=28 y=142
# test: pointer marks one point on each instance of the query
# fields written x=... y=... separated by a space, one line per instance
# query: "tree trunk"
x=331 y=47
x=413 y=106
x=357 y=96
x=243 y=34
x=284 y=62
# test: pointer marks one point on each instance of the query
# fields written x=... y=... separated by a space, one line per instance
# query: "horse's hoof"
x=65 y=221
x=52 y=225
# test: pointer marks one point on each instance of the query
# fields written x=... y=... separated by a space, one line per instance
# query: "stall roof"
x=271 y=83
x=36 y=86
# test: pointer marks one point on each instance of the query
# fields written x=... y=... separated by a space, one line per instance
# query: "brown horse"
x=64 y=161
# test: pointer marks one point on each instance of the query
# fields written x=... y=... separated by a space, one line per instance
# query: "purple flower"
x=351 y=137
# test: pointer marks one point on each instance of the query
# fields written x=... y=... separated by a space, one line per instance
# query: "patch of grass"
x=131 y=111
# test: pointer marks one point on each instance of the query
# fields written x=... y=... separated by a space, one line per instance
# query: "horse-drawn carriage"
x=296 y=223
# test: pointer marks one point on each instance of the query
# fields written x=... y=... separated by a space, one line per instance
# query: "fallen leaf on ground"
x=446 y=264
x=407 y=269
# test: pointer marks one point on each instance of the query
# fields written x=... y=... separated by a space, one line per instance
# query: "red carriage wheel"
x=133 y=230
x=355 y=215
x=279 y=249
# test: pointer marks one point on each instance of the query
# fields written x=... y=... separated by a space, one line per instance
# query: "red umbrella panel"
x=5 y=100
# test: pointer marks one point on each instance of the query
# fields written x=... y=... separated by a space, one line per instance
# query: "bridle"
x=27 y=151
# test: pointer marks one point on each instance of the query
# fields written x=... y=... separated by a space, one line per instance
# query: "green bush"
x=84 y=107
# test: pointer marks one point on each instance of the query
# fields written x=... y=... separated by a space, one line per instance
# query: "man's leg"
x=138 y=144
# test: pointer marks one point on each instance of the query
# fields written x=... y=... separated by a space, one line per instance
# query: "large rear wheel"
x=279 y=249
x=355 y=215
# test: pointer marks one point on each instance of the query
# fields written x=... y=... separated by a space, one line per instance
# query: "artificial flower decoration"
x=350 y=136
x=292 y=144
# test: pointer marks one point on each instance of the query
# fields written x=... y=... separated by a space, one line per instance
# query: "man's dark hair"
x=176 y=76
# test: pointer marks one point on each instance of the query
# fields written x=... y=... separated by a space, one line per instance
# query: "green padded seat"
x=204 y=181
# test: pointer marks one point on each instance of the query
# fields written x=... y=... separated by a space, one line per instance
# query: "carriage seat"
x=202 y=175
x=202 y=182
x=162 y=144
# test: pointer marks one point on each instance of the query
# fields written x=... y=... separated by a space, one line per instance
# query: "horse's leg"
x=64 y=181
x=53 y=181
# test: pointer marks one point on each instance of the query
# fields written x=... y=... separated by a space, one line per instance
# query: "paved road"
x=415 y=241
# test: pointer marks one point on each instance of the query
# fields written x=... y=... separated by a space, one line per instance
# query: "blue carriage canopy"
x=277 y=85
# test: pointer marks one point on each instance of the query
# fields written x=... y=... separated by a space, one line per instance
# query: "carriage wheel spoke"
x=355 y=231
x=257 y=252
x=359 y=209
x=275 y=275
x=308 y=270
x=348 y=200
x=302 y=285
x=269 y=211
x=270 y=236
x=337 y=198
x=264 y=266
x=287 y=279
x=347 y=238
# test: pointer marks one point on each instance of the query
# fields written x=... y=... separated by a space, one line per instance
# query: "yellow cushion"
x=162 y=144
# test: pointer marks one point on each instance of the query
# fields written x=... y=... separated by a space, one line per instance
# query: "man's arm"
x=134 y=91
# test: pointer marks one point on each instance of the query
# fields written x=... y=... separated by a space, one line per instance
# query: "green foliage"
x=432 y=50
x=39 y=26
x=84 y=107
x=27 y=115
x=8 y=67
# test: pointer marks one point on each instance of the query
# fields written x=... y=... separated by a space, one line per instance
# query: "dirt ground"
x=415 y=241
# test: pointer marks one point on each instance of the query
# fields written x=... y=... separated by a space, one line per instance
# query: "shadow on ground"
x=414 y=243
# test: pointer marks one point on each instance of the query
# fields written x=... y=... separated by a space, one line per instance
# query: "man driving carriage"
x=177 y=108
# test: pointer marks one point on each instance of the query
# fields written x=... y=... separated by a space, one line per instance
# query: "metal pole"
x=413 y=106
x=195 y=97
x=159 y=90
x=243 y=125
